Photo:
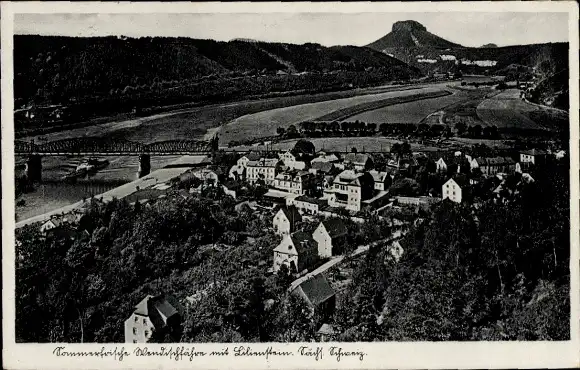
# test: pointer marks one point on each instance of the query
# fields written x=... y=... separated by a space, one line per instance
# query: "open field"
x=265 y=123
x=194 y=122
x=411 y=112
x=508 y=111
x=345 y=113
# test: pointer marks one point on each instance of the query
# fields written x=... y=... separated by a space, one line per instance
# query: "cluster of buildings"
x=299 y=249
x=318 y=183
x=466 y=172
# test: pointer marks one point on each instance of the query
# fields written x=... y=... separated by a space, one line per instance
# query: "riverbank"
x=156 y=177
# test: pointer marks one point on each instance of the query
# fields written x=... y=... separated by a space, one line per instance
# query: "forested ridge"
x=60 y=70
x=494 y=272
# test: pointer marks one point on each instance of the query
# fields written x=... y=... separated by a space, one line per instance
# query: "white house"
x=264 y=169
x=453 y=190
x=349 y=189
x=237 y=172
x=296 y=251
x=381 y=179
x=330 y=236
x=285 y=220
x=243 y=160
x=360 y=162
x=151 y=314
x=533 y=156
x=307 y=205
x=295 y=182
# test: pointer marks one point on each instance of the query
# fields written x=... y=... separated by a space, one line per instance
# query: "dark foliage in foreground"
x=500 y=272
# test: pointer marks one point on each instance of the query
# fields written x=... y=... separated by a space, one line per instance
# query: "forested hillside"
x=61 y=70
x=496 y=272
x=499 y=272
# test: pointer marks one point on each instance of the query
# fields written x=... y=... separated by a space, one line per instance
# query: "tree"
x=292 y=132
x=461 y=127
x=404 y=187
x=304 y=147
x=281 y=131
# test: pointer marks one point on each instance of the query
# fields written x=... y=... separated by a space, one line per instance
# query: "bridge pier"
x=33 y=169
x=144 y=165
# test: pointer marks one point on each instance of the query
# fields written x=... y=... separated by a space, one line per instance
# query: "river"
x=53 y=193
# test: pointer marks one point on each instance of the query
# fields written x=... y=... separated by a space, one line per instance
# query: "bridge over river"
x=97 y=146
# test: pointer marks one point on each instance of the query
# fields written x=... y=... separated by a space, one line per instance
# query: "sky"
x=468 y=29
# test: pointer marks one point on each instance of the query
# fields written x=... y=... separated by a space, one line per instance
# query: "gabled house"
x=207 y=176
x=295 y=182
x=318 y=295
x=296 y=250
x=53 y=223
x=349 y=189
x=237 y=173
x=453 y=164
x=286 y=219
x=533 y=156
x=232 y=188
x=330 y=235
x=323 y=168
x=264 y=169
x=153 y=313
x=243 y=160
x=323 y=157
x=494 y=165
x=308 y=206
x=382 y=180
x=359 y=161
x=454 y=189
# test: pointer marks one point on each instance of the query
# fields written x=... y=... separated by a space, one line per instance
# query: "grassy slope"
x=266 y=123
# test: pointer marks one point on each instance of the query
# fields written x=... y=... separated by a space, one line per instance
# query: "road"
x=338 y=259
x=156 y=177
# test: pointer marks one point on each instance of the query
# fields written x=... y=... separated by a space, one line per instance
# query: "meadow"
x=265 y=123
x=410 y=112
x=508 y=111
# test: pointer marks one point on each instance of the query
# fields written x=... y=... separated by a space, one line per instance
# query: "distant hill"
x=406 y=34
x=410 y=42
x=57 y=70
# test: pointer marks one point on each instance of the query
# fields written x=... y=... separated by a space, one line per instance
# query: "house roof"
x=460 y=180
x=252 y=156
x=378 y=176
x=327 y=329
x=347 y=177
x=238 y=169
x=291 y=213
x=305 y=199
x=534 y=152
x=158 y=308
x=322 y=166
x=494 y=161
x=334 y=227
x=302 y=241
x=317 y=290
x=264 y=162
x=357 y=158
x=326 y=158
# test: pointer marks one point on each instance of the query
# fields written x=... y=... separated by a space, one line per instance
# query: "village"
x=309 y=199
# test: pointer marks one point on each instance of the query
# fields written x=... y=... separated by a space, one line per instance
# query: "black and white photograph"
x=292 y=177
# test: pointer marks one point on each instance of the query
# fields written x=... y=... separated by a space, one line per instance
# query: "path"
x=338 y=259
